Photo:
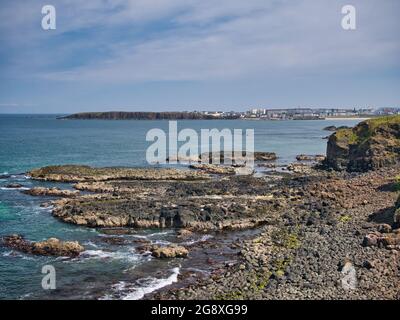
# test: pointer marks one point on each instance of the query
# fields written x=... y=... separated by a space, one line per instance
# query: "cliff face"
x=119 y=115
x=370 y=145
x=397 y=212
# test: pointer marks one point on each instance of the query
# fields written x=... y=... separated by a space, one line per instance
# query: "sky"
x=173 y=55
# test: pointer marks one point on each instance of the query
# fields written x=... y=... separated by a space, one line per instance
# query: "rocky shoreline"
x=308 y=227
x=323 y=228
x=302 y=254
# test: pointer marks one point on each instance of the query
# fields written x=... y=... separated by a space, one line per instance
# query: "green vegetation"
x=387 y=120
x=345 y=218
x=348 y=135
x=362 y=132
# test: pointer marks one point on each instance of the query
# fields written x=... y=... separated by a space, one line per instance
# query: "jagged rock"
x=53 y=192
x=213 y=169
x=330 y=128
x=52 y=246
x=305 y=157
x=55 y=247
x=334 y=128
x=173 y=251
x=166 y=252
x=299 y=168
x=370 y=145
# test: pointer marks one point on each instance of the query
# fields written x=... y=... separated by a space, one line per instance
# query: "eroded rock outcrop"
x=370 y=145
x=77 y=173
x=52 y=192
x=52 y=246
x=168 y=252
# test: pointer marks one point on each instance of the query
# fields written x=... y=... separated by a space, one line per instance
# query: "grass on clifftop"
x=365 y=129
x=348 y=135
x=387 y=120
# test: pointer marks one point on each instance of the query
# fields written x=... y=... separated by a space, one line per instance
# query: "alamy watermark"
x=212 y=146
x=349 y=20
x=49 y=280
x=49 y=19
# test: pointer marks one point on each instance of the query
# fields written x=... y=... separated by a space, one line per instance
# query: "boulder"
x=370 y=240
x=172 y=251
x=184 y=233
x=330 y=128
x=299 y=168
x=384 y=228
x=370 y=145
x=55 y=247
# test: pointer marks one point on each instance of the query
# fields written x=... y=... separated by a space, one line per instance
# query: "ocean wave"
x=161 y=242
x=201 y=239
x=90 y=243
x=127 y=291
x=21 y=188
x=108 y=255
x=163 y=233
x=15 y=254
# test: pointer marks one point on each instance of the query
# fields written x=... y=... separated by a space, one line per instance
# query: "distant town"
x=303 y=113
x=252 y=114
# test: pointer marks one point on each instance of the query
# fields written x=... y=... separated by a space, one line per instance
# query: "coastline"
x=287 y=232
x=302 y=213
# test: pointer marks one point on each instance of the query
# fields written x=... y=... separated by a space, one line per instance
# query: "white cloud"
x=227 y=39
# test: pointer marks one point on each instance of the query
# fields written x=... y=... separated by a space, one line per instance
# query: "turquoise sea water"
x=103 y=270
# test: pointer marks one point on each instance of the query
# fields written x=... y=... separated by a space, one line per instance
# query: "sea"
x=106 y=270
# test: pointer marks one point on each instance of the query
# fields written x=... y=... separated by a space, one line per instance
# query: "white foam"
x=161 y=242
x=159 y=233
x=90 y=243
x=21 y=188
x=201 y=239
x=152 y=284
x=100 y=254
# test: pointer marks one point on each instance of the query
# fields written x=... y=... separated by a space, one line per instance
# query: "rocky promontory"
x=121 y=115
x=370 y=145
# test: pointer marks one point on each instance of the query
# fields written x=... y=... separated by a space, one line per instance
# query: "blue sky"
x=158 y=55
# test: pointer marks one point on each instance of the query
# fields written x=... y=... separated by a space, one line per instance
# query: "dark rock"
x=330 y=128
x=372 y=144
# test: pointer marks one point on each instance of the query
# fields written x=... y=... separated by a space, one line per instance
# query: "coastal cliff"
x=120 y=115
x=370 y=145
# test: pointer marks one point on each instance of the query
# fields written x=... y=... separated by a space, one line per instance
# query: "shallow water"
x=104 y=270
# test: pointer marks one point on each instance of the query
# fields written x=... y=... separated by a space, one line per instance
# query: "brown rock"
x=52 y=246
x=53 y=192
x=173 y=251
